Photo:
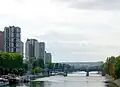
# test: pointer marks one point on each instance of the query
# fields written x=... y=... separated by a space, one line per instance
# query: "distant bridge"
x=79 y=66
x=86 y=66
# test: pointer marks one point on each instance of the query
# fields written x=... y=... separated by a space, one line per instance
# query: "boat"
x=25 y=79
x=3 y=82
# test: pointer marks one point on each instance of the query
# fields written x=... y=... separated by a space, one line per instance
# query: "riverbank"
x=112 y=81
x=13 y=79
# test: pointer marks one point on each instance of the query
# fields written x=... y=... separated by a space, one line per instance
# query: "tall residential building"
x=31 y=49
x=22 y=47
x=1 y=41
x=48 y=58
x=12 y=36
x=42 y=50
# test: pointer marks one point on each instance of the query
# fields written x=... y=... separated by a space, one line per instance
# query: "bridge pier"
x=65 y=73
x=99 y=72
x=87 y=73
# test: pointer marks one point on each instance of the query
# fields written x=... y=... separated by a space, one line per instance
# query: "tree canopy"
x=112 y=66
x=10 y=61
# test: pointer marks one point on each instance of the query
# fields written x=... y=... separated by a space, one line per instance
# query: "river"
x=77 y=79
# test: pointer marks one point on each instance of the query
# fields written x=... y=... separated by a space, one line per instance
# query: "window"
x=17 y=44
x=18 y=50
x=17 y=35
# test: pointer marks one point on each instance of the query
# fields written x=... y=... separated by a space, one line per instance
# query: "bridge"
x=86 y=66
x=88 y=69
x=77 y=66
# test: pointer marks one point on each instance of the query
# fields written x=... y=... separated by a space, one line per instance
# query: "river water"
x=77 y=79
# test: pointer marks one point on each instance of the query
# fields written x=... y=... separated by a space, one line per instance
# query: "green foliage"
x=117 y=67
x=25 y=66
x=112 y=66
x=34 y=64
x=49 y=65
x=37 y=70
x=10 y=61
x=104 y=69
x=40 y=62
x=56 y=65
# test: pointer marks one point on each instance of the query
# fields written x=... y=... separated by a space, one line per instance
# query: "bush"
x=37 y=70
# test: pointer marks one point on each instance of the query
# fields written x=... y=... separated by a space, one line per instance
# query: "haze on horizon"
x=74 y=30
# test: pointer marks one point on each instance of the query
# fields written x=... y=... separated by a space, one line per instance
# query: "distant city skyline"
x=35 y=50
x=10 y=42
x=73 y=30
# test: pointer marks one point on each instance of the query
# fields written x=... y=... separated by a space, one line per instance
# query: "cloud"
x=64 y=47
x=93 y=4
x=74 y=30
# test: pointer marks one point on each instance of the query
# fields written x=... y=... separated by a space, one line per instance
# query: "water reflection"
x=72 y=80
x=65 y=84
x=37 y=84
x=47 y=84
x=110 y=85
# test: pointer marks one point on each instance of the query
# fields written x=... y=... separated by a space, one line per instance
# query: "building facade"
x=22 y=48
x=36 y=50
x=1 y=41
x=12 y=37
x=42 y=50
x=31 y=49
x=48 y=58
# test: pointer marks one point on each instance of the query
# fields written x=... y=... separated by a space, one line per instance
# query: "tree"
x=40 y=63
x=34 y=64
x=10 y=62
x=25 y=66
x=37 y=70
x=117 y=67
x=111 y=66
x=56 y=65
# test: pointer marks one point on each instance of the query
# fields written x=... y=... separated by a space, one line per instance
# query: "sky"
x=74 y=30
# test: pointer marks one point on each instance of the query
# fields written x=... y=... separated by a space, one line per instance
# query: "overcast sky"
x=74 y=30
